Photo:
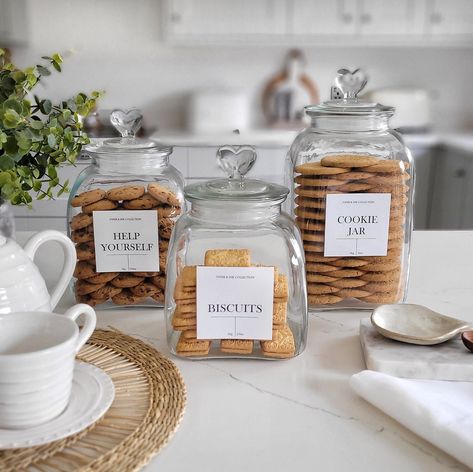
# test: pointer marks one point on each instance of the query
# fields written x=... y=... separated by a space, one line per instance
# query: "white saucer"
x=92 y=395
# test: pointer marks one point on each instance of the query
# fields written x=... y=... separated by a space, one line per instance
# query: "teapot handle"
x=69 y=259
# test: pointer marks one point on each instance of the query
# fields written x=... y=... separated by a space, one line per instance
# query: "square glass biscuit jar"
x=236 y=282
x=121 y=213
x=352 y=184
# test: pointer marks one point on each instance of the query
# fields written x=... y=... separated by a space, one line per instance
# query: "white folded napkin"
x=439 y=411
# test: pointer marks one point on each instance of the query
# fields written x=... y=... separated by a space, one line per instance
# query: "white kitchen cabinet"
x=13 y=22
x=452 y=196
x=322 y=17
x=190 y=20
x=358 y=18
x=450 y=18
x=388 y=18
x=318 y=22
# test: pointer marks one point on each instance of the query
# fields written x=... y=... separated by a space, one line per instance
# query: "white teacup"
x=37 y=351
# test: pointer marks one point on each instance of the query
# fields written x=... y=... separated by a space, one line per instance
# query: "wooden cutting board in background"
x=288 y=92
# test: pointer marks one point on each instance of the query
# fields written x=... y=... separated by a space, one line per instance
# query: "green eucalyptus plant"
x=37 y=136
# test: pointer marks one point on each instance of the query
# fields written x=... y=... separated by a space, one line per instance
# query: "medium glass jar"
x=121 y=212
x=236 y=281
x=352 y=184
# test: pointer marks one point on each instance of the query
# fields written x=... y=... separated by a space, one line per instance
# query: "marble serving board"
x=446 y=361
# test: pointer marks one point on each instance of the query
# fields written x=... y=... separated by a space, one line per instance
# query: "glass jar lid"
x=127 y=123
x=236 y=161
x=349 y=84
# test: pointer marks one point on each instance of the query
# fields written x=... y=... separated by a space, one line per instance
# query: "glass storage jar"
x=121 y=212
x=236 y=281
x=352 y=183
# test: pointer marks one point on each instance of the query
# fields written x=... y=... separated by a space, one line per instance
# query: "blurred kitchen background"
x=198 y=69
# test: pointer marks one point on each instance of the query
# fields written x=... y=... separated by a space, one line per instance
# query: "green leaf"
x=23 y=140
x=67 y=114
x=71 y=104
x=11 y=119
x=51 y=140
x=56 y=57
x=45 y=107
x=13 y=104
x=83 y=110
x=36 y=123
x=18 y=76
x=5 y=177
x=6 y=162
x=7 y=86
x=52 y=171
x=31 y=79
x=10 y=146
x=57 y=66
x=43 y=71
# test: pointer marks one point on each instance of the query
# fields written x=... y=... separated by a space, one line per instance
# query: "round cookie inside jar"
x=121 y=213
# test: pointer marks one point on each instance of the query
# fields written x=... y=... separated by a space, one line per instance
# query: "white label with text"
x=126 y=241
x=235 y=302
x=357 y=224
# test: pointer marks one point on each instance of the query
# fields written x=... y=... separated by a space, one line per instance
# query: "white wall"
x=118 y=47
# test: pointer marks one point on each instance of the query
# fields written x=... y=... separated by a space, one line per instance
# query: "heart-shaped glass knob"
x=351 y=83
x=126 y=122
x=236 y=161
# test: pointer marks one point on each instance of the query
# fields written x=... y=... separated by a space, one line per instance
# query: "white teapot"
x=22 y=287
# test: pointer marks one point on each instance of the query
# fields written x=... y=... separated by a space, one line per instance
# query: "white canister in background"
x=216 y=110
x=413 y=107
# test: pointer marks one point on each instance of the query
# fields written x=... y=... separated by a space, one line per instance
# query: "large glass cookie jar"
x=121 y=212
x=236 y=281
x=352 y=181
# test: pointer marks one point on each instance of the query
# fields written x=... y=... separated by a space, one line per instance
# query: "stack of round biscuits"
x=123 y=288
x=371 y=279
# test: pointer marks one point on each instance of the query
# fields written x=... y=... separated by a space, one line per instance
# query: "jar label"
x=126 y=241
x=357 y=224
x=235 y=302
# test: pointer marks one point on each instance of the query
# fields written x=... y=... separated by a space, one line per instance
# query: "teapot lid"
x=127 y=123
x=349 y=84
x=236 y=161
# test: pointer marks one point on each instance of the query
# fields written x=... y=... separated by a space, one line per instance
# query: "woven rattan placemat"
x=150 y=398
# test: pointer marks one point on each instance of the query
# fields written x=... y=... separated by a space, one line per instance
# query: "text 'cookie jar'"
x=236 y=281
x=121 y=212
x=352 y=182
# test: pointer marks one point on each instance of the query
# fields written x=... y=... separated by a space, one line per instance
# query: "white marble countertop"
x=301 y=414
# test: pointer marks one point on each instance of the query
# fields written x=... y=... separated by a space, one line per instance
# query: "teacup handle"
x=90 y=321
x=69 y=259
